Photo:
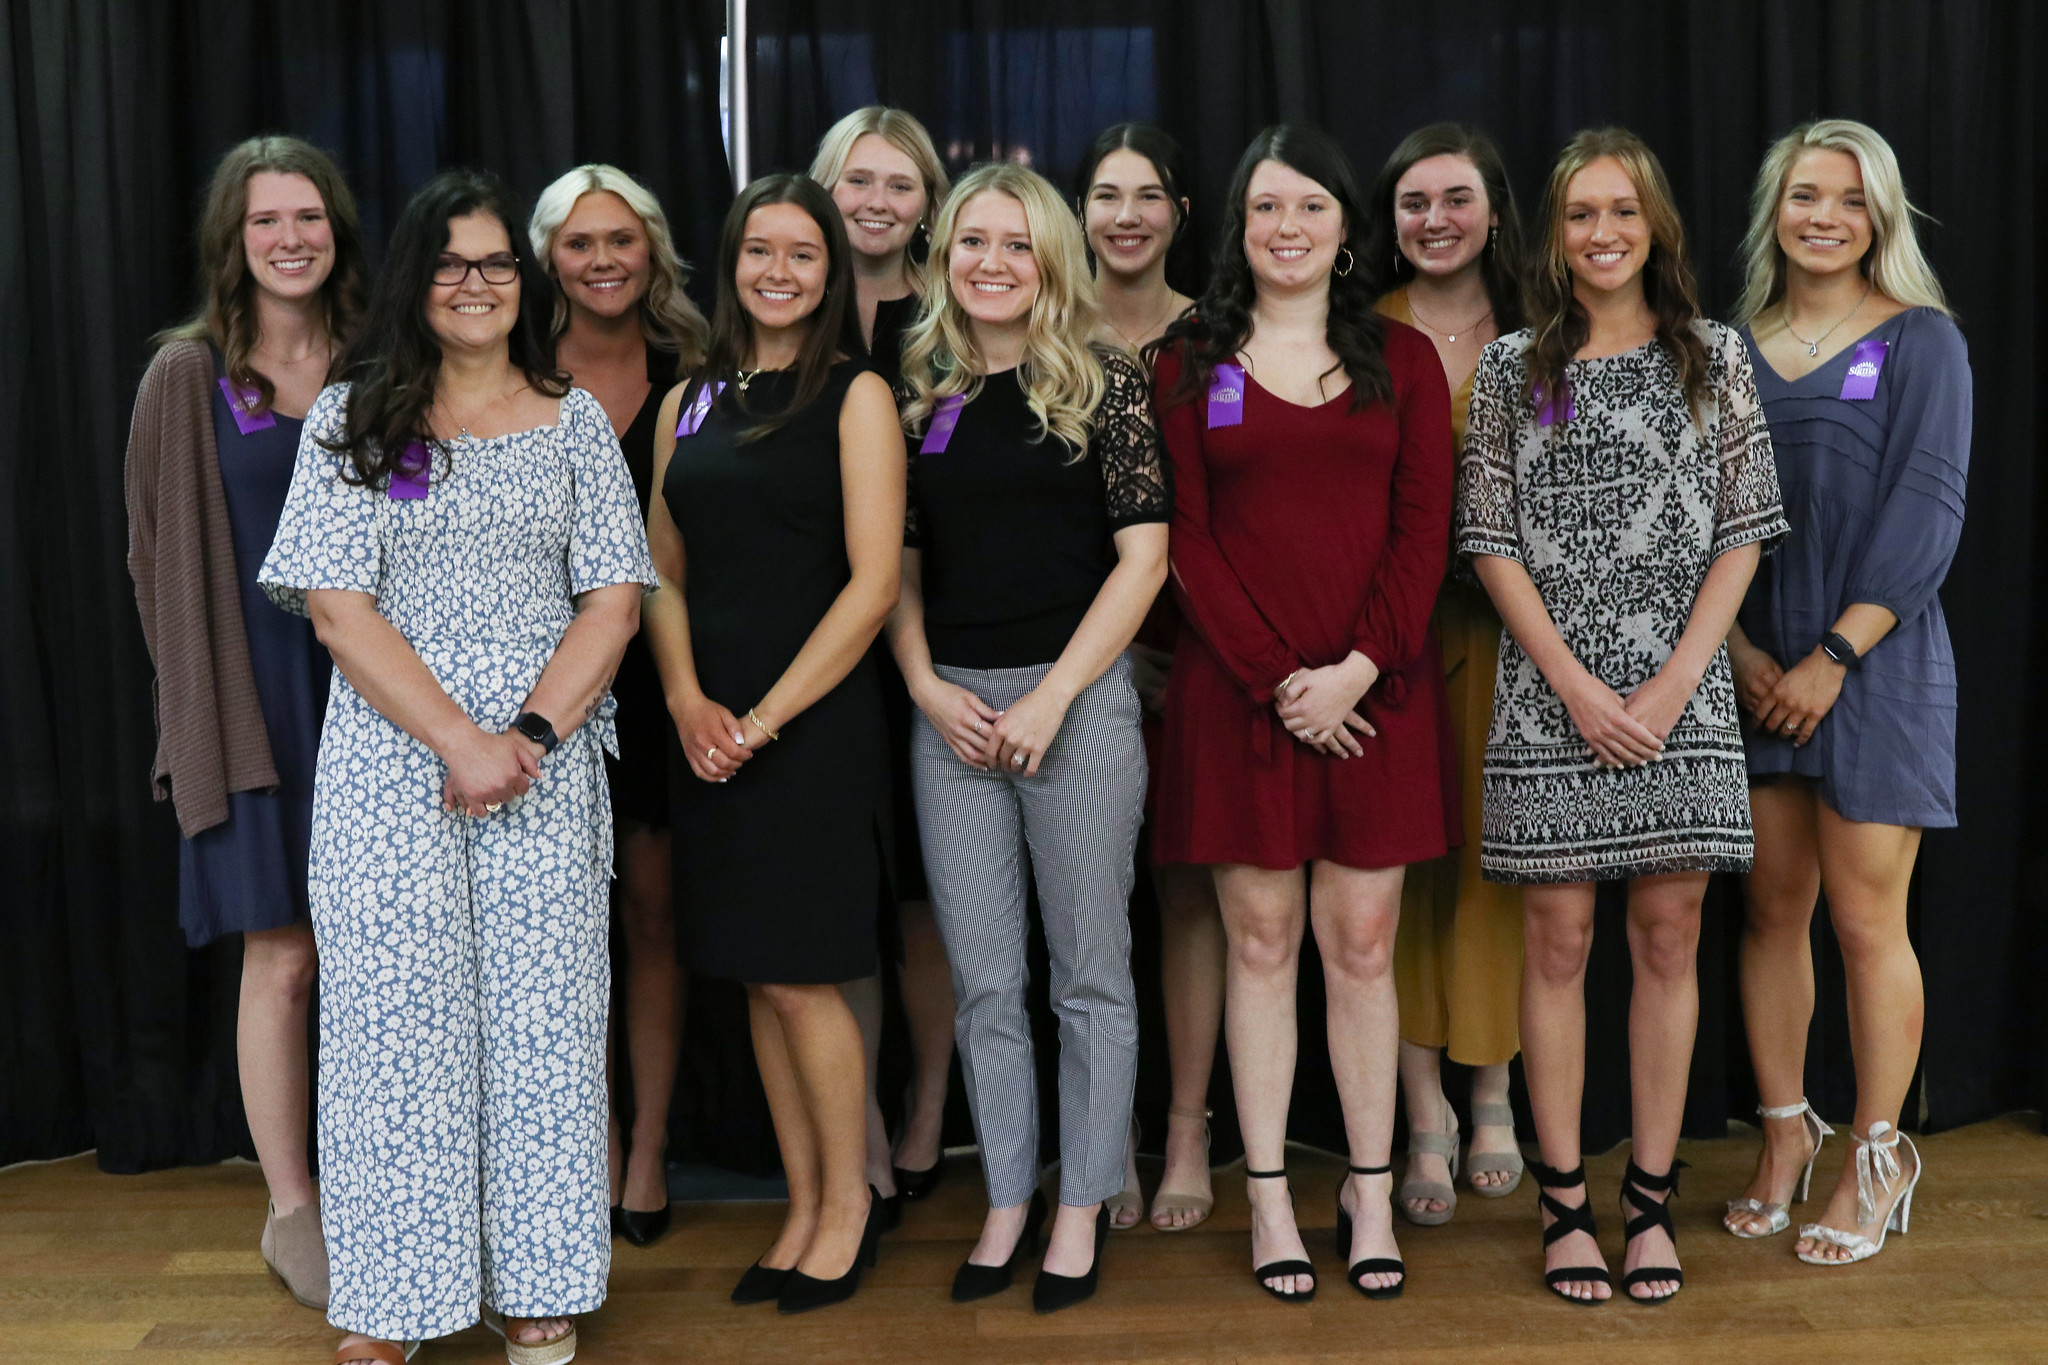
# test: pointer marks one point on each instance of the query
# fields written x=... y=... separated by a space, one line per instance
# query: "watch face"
x=534 y=727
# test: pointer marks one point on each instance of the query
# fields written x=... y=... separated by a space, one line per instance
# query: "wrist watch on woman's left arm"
x=537 y=728
x=1837 y=647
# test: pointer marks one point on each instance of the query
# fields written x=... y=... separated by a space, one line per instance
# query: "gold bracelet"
x=761 y=725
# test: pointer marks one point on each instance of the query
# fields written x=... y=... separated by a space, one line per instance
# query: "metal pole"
x=739 y=107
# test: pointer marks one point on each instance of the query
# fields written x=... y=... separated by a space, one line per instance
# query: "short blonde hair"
x=1061 y=372
x=1894 y=264
x=667 y=317
x=902 y=131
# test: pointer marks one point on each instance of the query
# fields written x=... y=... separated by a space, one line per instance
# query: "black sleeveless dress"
x=777 y=870
x=639 y=775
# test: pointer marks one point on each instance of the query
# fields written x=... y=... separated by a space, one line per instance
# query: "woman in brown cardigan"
x=241 y=685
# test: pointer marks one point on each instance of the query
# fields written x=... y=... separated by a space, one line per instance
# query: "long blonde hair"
x=227 y=310
x=667 y=317
x=1894 y=264
x=902 y=131
x=1061 y=373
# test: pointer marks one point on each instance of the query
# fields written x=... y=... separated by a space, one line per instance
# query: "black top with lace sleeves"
x=1015 y=533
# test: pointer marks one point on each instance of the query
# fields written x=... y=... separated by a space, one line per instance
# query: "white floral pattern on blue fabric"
x=464 y=975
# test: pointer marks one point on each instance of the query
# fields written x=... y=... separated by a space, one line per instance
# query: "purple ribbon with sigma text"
x=242 y=403
x=945 y=417
x=1226 y=396
x=700 y=408
x=1547 y=412
x=409 y=479
x=1864 y=366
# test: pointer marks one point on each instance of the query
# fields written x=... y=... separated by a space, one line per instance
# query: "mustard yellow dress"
x=1458 y=954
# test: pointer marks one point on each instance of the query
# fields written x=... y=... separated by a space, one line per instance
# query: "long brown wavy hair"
x=1555 y=313
x=1501 y=262
x=227 y=312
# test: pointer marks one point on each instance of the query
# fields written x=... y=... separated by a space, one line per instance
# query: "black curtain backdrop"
x=112 y=113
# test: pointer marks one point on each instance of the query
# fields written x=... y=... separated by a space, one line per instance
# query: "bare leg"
x=1557 y=927
x=828 y=1076
x=1777 y=981
x=796 y=1135
x=1355 y=912
x=864 y=999
x=1866 y=869
x=1422 y=1084
x=928 y=1005
x=1192 y=953
x=1663 y=1017
x=654 y=1011
x=279 y=967
x=1264 y=913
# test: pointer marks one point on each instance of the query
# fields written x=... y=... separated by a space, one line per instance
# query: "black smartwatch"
x=536 y=727
x=1841 y=651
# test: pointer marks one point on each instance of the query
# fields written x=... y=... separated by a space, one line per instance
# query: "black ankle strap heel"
x=1273 y=1270
x=1637 y=1185
x=1567 y=1221
x=1356 y=1271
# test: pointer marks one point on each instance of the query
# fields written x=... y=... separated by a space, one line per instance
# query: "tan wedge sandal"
x=1445 y=1145
x=556 y=1350
x=1185 y=1201
x=1494 y=1116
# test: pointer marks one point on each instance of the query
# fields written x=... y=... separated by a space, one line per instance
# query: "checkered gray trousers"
x=1078 y=820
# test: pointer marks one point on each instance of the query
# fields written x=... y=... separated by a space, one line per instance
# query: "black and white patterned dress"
x=1616 y=512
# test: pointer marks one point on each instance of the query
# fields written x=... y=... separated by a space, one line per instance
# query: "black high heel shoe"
x=1371 y=1265
x=638 y=1227
x=1273 y=1270
x=801 y=1293
x=1567 y=1221
x=1050 y=1292
x=1650 y=1213
x=912 y=1186
x=971 y=1281
x=760 y=1285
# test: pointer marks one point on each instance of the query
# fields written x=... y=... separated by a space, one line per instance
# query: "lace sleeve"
x=1135 y=482
x=913 y=531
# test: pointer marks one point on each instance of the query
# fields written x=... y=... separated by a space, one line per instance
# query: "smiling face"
x=475 y=314
x=990 y=264
x=601 y=255
x=881 y=194
x=1823 y=215
x=783 y=266
x=1606 y=236
x=1292 y=229
x=287 y=239
x=1441 y=215
x=1129 y=217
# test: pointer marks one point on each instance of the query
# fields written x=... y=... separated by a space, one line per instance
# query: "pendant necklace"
x=746 y=377
x=1447 y=336
x=1813 y=346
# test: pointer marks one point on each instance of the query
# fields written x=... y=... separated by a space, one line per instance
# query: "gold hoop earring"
x=1349 y=261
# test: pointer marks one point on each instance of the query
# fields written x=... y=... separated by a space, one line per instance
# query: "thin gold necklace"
x=1813 y=346
x=1413 y=312
x=1164 y=314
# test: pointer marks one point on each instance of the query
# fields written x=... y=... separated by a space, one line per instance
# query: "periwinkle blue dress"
x=249 y=872
x=1874 y=491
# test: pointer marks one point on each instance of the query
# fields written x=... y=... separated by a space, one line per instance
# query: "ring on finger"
x=711 y=753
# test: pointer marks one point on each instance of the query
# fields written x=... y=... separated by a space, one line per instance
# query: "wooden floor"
x=152 y=1270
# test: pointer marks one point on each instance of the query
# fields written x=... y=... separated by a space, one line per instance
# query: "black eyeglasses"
x=502 y=268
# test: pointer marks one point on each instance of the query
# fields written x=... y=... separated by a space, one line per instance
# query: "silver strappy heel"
x=1774 y=1214
x=1877 y=1159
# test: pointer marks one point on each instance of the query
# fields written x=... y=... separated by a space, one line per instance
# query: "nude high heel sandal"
x=1170 y=1202
x=1774 y=1214
x=1877 y=1159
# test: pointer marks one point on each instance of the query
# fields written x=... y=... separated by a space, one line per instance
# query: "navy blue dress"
x=249 y=873
x=1874 y=491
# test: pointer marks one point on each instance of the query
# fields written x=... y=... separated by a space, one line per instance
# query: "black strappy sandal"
x=1275 y=1269
x=1567 y=1220
x=1650 y=1214
x=1371 y=1265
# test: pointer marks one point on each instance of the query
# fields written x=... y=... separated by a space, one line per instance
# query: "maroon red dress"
x=1299 y=535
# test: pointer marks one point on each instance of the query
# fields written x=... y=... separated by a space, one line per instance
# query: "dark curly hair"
x=395 y=362
x=1217 y=326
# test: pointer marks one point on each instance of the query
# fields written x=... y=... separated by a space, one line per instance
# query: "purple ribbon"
x=1864 y=366
x=409 y=479
x=700 y=408
x=242 y=403
x=1546 y=405
x=945 y=417
x=1226 y=396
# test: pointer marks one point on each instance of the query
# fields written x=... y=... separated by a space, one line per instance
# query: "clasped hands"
x=486 y=770
x=1319 y=706
x=715 y=741
x=1789 y=702
x=1012 y=740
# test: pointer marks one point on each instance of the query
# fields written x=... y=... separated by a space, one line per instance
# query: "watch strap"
x=1837 y=647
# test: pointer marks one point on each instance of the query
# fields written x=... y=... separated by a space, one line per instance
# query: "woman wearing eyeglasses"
x=462 y=530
